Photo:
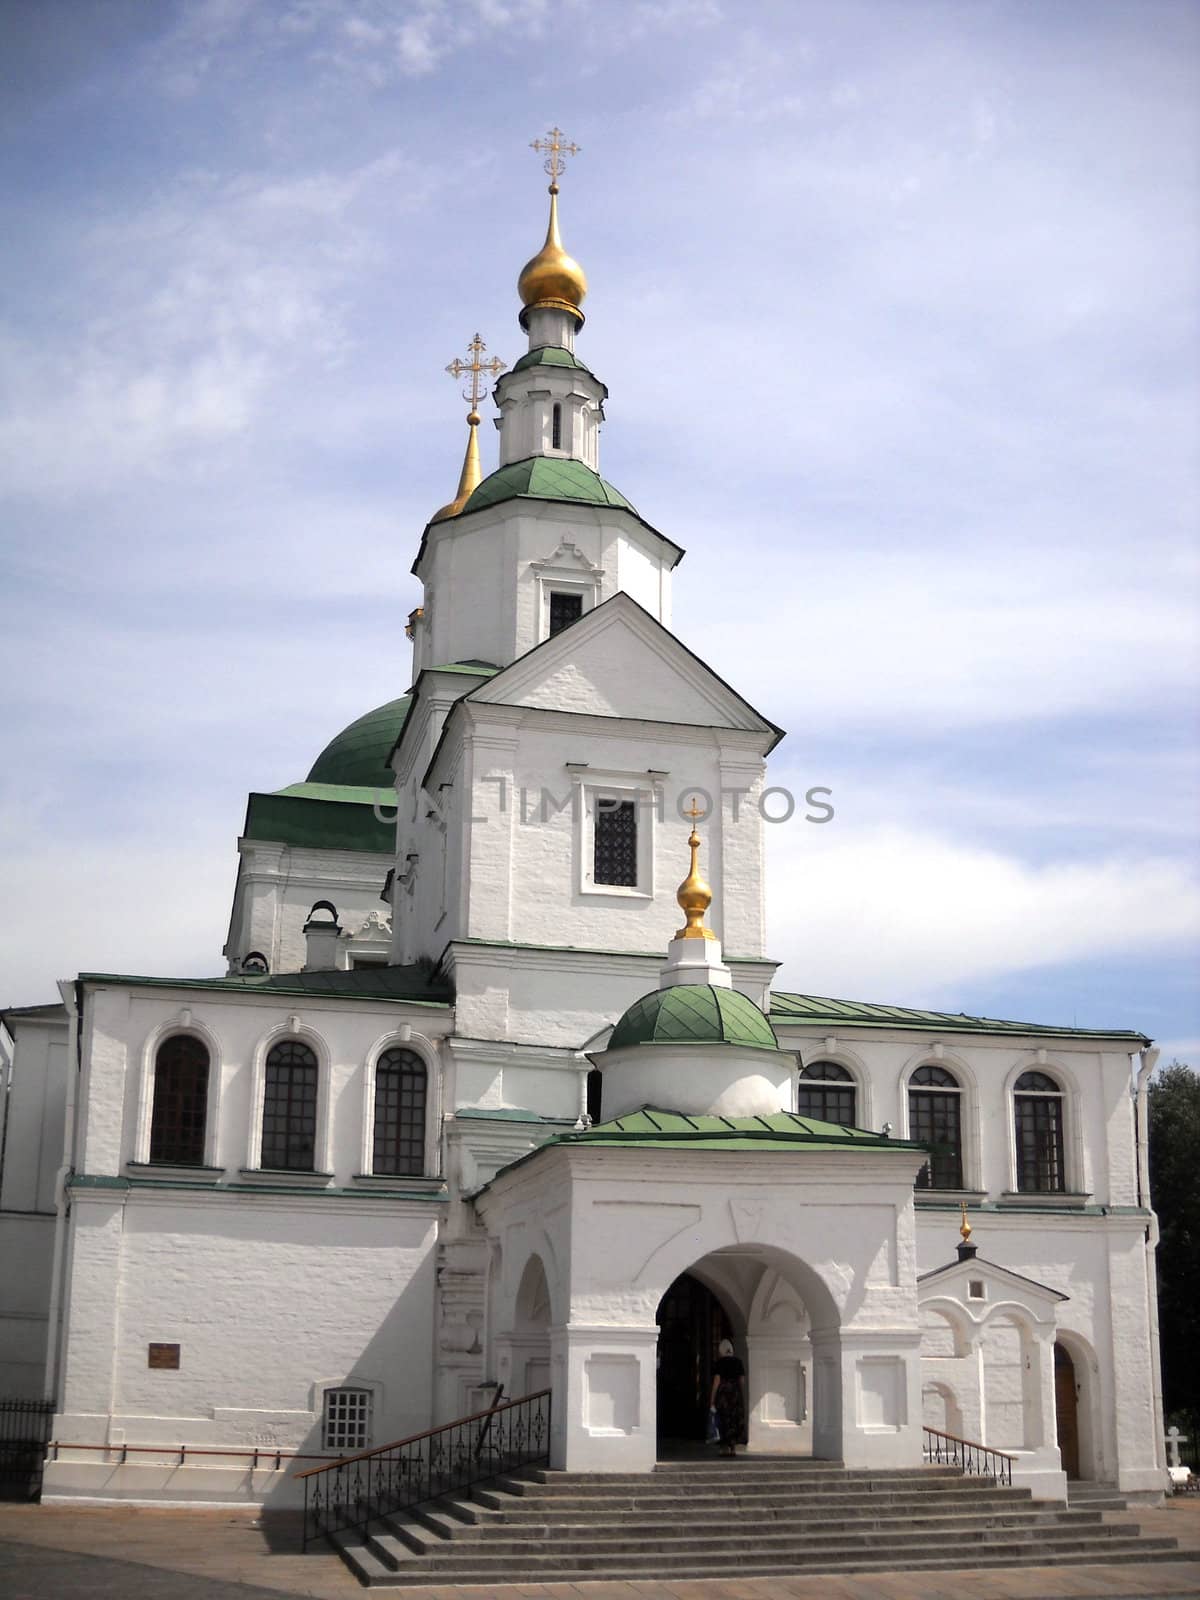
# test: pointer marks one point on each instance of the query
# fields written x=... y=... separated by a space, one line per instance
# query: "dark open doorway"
x=691 y=1324
x=1066 y=1408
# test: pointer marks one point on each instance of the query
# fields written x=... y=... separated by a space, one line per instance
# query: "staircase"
x=753 y=1517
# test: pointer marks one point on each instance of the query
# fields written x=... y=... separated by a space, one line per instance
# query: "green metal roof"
x=661 y=1130
x=550 y=355
x=358 y=756
x=413 y=985
x=796 y=1008
x=546 y=478
x=694 y=1014
x=320 y=822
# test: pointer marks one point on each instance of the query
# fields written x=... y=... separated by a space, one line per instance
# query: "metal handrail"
x=967 y=1454
x=265 y=1451
x=354 y=1491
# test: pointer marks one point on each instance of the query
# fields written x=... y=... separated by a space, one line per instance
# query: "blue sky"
x=896 y=303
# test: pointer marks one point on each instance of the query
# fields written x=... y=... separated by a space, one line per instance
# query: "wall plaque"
x=163 y=1355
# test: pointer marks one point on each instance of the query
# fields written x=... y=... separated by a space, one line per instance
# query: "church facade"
x=470 y=1107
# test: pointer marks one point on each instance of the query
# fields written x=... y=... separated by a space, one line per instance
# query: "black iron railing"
x=24 y=1431
x=948 y=1450
x=357 y=1490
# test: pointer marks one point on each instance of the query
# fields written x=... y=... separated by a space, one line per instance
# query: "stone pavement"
x=129 y=1553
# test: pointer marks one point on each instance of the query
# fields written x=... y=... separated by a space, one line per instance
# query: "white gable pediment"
x=617 y=661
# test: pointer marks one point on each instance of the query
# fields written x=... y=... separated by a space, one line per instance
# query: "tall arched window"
x=1038 y=1107
x=289 y=1130
x=826 y=1093
x=400 y=1084
x=935 y=1120
x=556 y=427
x=177 y=1122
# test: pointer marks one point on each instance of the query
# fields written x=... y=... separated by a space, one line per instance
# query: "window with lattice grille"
x=935 y=1120
x=565 y=608
x=400 y=1089
x=347 y=1420
x=289 y=1130
x=615 y=844
x=1037 y=1104
x=826 y=1092
x=177 y=1122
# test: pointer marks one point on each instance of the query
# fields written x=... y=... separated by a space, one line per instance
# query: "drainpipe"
x=72 y=999
x=1149 y=1061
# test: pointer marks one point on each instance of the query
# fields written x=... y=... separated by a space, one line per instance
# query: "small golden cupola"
x=471 y=475
x=694 y=895
x=552 y=279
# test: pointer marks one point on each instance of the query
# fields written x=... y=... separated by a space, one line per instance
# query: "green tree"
x=1174 y=1135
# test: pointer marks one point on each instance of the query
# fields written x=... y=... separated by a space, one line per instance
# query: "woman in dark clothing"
x=728 y=1398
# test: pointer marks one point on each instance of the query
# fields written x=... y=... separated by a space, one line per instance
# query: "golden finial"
x=472 y=475
x=553 y=278
x=694 y=894
x=965 y=1230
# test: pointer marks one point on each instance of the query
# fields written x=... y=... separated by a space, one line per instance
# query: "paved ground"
x=127 y=1553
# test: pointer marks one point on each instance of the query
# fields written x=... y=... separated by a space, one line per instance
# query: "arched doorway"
x=691 y=1324
x=1066 y=1409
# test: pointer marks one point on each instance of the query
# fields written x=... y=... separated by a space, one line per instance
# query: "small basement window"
x=347 y=1421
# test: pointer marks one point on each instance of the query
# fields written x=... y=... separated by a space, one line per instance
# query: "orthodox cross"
x=554 y=165
x=476 y=366
x=694 y=811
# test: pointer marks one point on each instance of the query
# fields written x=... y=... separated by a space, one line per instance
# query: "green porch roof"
x=810 y=1008
x=665 y=1130
x=546 y=478
x=694 y=1014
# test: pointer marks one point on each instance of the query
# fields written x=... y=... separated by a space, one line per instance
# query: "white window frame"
x=645 y=790
x=404 y=1039
x=293 y=1028
x=348 y=1386
x=567 y=571
x=183 y=1021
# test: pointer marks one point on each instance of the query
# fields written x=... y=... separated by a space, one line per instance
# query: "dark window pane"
x=934 y=1078
x=1036 y=1083
x=1039 y=1142
x=826 y=1103
x=826 y=1072
x=565 y=608
x=934 y=1119
x=180 y=1101
x=556 y=428
x=595 y=1090
x=400 y=1080
x=616 y=843
x=289 y=1134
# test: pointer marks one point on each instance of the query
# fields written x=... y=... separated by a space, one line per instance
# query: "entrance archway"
x=691 y=1324
x=1066 y=1409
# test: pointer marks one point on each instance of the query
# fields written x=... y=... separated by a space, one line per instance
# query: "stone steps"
x=744 y=1518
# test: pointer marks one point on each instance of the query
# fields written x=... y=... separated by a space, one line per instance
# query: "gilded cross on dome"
x=554 y=165
x=476 y=366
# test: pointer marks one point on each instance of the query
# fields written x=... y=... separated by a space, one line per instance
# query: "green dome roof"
x=549 y=355
x=546 y=478
x=694 y=1014
x=359 y=754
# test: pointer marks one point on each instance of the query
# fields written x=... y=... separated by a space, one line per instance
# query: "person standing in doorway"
x=728 y=1398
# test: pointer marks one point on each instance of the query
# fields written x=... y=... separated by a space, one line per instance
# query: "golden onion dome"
x=694 y=894
x=552 y=278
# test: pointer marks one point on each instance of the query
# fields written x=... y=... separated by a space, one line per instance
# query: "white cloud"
x=893 y=914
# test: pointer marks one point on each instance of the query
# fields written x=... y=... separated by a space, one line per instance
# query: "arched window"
x=826 y=1093
x=289 y=1130
x=400 y=1083
x=595 y=1093
x=935 y=1120
x=1038 y=1105
x=177 y=1123
x=556 y=427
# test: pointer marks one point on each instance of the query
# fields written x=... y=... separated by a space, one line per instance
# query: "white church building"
x=486 y=1095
